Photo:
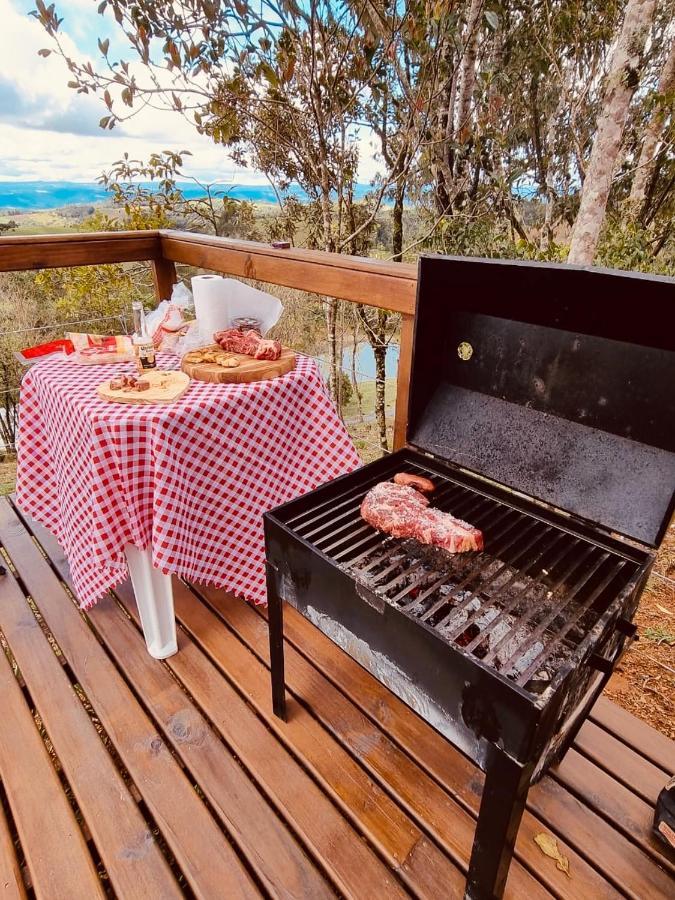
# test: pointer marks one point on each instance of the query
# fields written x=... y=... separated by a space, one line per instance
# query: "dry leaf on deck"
x=549 y=847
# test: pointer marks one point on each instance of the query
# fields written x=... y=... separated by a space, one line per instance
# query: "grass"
x=350 y=411
x=659 y=635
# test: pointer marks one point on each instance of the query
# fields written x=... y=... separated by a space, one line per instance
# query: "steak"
x=250 y=343
x=401 y=511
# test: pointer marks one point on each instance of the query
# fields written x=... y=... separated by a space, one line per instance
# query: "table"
x=177 y=489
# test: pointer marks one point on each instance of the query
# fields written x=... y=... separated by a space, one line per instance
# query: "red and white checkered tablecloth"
x=191 y=478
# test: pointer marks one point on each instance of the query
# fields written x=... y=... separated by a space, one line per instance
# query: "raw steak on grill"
x=249 y=343
x=404 y=512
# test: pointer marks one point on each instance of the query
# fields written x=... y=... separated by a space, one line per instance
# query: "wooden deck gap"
x=6 y=810
x=7 y=650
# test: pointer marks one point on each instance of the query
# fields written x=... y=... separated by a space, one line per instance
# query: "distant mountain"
x=25 y=196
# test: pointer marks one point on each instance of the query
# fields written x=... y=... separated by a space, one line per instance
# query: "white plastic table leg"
x=154 y=598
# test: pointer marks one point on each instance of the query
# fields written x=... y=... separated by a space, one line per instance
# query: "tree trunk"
x=355 y=380
x=380 y=353
x=653 y=133
x=331 y=334
x=623 y=79
x=397 y=221
x=467 y=83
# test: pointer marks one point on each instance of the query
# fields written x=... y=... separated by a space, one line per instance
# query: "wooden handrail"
x=49 y=251
x=359 y=279
x=373 y=282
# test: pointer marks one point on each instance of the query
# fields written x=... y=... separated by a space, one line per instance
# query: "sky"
x=48 y=132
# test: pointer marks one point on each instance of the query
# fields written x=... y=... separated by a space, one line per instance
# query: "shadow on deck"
x=156 y=780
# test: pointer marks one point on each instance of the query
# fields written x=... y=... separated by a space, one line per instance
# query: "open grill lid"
x=555 y=380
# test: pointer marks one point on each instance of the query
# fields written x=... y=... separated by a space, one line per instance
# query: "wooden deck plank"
x=390 y=827
x=11 y=882
x=421 y=796
x=627 y=812
x=622 y=863
x=133 y=860
x=279 y=862
x=632 y=770
x=636 y=734
x=207 y=860
x=56 y=852
x=350 y=862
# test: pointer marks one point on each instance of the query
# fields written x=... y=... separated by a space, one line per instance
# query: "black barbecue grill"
x=542 y=406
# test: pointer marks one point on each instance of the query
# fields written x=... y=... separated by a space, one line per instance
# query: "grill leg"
x=501 y=809
x=275 y=620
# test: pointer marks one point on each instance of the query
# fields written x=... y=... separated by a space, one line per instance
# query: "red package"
x=45 y=349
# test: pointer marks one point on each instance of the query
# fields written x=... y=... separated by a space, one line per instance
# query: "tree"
x=622 y=81
x=150 y=196
x=653 y=147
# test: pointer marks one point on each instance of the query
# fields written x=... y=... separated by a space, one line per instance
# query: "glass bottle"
x=144 y=349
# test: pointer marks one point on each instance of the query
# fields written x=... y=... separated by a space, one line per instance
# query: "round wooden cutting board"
x=248 y=370
x=165 y=387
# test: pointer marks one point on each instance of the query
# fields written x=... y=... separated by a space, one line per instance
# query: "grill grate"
x=521 y=606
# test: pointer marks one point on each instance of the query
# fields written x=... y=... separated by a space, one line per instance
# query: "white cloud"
x=49 y=132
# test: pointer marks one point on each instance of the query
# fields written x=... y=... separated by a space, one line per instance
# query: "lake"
x=365 y=362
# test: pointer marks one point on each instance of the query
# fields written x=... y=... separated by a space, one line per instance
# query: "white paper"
x=243 y=300
x=218 y=301
x=211 y=303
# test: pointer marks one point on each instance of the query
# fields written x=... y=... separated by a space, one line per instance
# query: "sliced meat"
x=425 y=485
x=440 y=529
x=250 y=343
x=402 y=511
x=393 y=508
x=268 y=349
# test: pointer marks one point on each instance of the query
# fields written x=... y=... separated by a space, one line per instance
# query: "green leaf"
x=103 y=46
x=268 y=73
x=103 y=123
x=492 y=19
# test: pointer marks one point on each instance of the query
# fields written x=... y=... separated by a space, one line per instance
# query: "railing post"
x=164 y=275
x=403 y=380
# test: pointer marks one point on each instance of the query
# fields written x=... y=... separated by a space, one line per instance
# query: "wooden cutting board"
x=248 y=370
x=165 y=387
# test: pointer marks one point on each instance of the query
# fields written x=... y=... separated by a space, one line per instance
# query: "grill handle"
x=606 y=666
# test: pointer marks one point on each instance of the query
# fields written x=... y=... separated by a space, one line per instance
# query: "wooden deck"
x=158 y=780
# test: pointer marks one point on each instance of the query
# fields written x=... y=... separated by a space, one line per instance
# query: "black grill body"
x=503 y=651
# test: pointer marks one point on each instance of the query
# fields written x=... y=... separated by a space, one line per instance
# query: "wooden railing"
x=371 y=282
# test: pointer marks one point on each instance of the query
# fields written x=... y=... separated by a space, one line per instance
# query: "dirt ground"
x=644 y=684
